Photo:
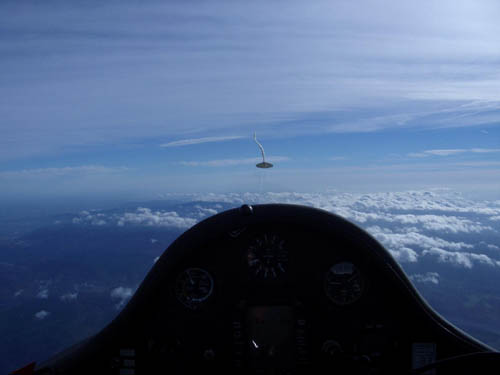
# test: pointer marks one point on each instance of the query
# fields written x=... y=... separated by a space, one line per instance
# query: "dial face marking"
x=344 y=283
x=267 y=257
x=193 y=287
x=237 y=232
x=255 y=344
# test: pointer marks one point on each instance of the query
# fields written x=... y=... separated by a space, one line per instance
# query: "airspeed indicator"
x=267 y=257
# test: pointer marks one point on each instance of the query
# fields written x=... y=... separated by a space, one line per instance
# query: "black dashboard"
x=273 y=289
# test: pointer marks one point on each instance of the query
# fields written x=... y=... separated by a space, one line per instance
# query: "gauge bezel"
x=359 y=275
x=194 y=303
x=280 y=252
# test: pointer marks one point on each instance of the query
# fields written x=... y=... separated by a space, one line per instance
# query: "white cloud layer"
x=463 y=259
x=364 y=205
x=410 y=224
x=439 y=224
x=148 y=217
x=142 y=216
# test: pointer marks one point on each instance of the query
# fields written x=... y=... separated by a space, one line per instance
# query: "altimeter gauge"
x=344 y=283
x=267 y=257
x=193 y=287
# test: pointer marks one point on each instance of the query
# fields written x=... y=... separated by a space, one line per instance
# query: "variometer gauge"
x=267 y=257
x=193 y=287
x=344 y=283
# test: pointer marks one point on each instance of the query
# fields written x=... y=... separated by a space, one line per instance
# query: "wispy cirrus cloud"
x=337 y=158
x=61 y=171
x=231 y=162
x=195 y=141
x=448 y=152
x=334 y=54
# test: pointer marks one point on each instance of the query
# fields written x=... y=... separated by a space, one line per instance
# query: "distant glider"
x=264 y=164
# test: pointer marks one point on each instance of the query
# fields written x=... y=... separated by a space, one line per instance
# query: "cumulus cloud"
x=402 y=246
x=440 y=201
x=141 y=216
x=42 y=314
x=407 y=223
x=68 y=297
x=439 y=223
x=148 y=217
x=122 y=294
x=429 y=277
x=203 y=211
x=397 y=240
x=463 y=259
x=43 y=294
x=404 y=254
x=374 y=204
x=86 y=217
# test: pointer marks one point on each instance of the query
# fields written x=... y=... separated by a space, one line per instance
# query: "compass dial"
x=344 y=283
x=267 y=257
x=193 y=287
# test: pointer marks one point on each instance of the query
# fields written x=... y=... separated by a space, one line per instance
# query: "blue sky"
x=135 y=100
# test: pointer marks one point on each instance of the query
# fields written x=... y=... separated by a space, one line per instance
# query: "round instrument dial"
x=344 y=283
x=193 y=287
x=267 y=257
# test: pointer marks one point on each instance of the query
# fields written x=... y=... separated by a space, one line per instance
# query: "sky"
x=135 y=100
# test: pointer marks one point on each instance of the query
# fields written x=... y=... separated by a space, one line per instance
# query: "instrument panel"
x=271 y=264
x=274 y=289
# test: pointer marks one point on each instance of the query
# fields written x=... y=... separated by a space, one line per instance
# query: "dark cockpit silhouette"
x=276 y=289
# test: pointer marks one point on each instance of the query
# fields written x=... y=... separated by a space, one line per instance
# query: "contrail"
x=264 y=164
